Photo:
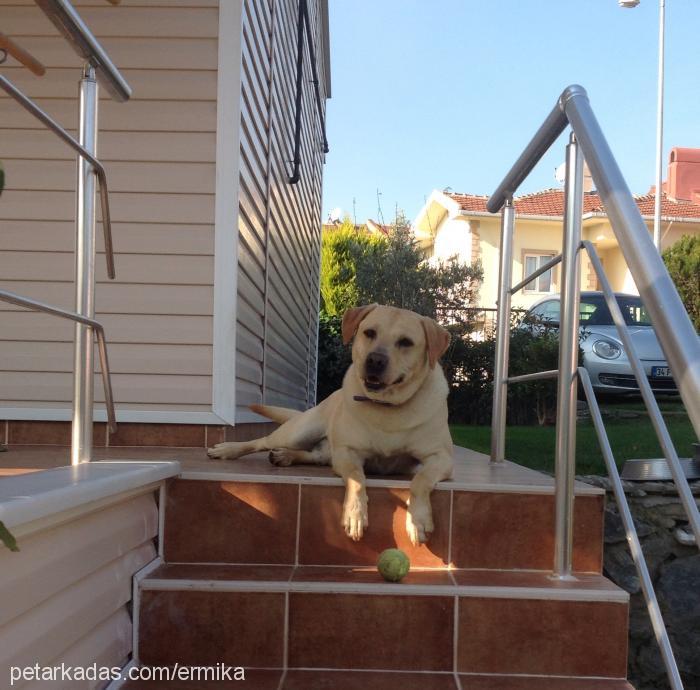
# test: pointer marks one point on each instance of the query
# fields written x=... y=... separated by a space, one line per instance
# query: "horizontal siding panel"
x=146 y=85
x=106 y=21
x=199 y=147
x=248 y=369
x=107 y=645
x=186 y=178
x=128 y=388
x=148 y=238
x=132 y=268
x=124 y=358
x=158 y=116
x=124 y=207
x=131 y=53
x=249 y=345
x=119 y=298
x=120 y=328
x=53 y=559
x=49 y=629
x=249 y=318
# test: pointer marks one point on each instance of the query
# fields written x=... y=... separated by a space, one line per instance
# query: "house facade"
x=215 y=302
x=459 y=225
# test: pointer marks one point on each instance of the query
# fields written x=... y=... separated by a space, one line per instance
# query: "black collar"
x=364 y=398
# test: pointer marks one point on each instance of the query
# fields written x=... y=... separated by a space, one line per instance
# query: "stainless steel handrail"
x=671 y=322
x=29 y=105
x=536 y=274
x=679 y=479
x=657 y=620
x=96 y=326
x=76 y=32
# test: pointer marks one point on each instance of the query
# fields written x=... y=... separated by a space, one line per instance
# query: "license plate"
x=661 y=371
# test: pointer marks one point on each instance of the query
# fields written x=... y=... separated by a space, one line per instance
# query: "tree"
x=341 y=248
x=394 y=272
x=683 y=263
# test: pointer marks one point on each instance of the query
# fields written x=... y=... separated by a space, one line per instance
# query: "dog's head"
x=393 y=350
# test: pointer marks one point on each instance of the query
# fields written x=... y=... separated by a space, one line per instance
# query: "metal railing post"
x=500 y=370
x=565 y=454
x=83 y=380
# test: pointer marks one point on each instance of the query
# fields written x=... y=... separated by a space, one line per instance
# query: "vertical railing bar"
x=669 y=451
x=500 y=374
x=657 y=620
x=565 y=453
x=84 y=373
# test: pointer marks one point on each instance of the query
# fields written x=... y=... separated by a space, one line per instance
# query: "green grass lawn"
x=533 y=446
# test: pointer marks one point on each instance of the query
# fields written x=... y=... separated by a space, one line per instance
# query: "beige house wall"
x=197 y=165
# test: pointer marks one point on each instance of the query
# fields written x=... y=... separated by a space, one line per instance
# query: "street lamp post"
x=659 y=117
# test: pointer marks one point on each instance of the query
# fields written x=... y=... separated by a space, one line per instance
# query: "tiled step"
x=438 y=621
x=298 y=521
x=373 y=680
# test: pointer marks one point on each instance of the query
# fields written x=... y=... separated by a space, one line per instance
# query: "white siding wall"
x=279 y=223
x=159 y=152
x=65 y=593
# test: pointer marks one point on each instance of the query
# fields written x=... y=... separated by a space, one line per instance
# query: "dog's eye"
x=405 y=342
x=371 y=333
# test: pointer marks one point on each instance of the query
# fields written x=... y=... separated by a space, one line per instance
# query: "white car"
x=603 y=354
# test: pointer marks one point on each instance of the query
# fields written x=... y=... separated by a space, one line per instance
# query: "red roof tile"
x=550 y=202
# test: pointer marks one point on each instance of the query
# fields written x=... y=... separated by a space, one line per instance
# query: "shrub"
x=683 y=263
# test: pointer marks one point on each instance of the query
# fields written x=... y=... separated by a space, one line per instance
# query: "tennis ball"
x=393 y=564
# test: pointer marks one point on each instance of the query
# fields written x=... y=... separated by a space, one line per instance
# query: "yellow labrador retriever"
x=392 y=407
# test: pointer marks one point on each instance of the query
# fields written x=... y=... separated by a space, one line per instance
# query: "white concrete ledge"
x=28 y=498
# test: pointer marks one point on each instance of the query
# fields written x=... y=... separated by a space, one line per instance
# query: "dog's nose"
x=376 y=363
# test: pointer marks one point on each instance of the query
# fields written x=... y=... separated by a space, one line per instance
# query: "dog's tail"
x=276 y=414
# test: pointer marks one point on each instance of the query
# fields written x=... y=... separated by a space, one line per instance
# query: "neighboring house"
x=459 y=225
x=215 y=303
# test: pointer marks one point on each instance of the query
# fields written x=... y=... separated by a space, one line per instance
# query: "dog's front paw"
x=355 y=519
x=419 y=522
x=281 y=457
x=222 y=451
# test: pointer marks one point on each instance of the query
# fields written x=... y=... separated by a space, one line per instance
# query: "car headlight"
x=607 y=349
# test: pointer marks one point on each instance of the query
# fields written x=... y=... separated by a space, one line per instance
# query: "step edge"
x=199 y=475
x=613 y=596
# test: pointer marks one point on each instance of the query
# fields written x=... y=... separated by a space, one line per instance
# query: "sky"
x=431 y=94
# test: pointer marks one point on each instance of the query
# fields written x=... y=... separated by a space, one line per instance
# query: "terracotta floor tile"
x=350 y=631
x=525 y=636
x=323 y=541
x=367 y=680
x=174 y=435
x=507 y=530
x=202 y=628
x=194 y=571
x=49 y=433
x=367 y=575
x=255 y=679
x=470 y=682
x=226 y=522
x=533 y=579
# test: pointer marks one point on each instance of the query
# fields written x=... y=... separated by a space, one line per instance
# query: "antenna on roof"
x=380 y=215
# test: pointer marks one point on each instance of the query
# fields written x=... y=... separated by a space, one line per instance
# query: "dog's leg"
x=419 y=517
x=349 y=465
x=301 y=432
x=318 y=455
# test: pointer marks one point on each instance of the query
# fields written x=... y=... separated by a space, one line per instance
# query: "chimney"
x=684 y=174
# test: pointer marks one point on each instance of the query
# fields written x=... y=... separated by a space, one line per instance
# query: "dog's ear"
x=437 y=339
x=351 y=320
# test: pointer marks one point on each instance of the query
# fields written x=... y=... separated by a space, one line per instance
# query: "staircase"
x=257 y=573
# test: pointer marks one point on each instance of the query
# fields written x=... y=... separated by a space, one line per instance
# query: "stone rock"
x=615 y=530
x=679 y=597
x=619 y=567
x=684 y=536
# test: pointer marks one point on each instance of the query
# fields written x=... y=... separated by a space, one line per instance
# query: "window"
x=547 y=311
x=531 y=262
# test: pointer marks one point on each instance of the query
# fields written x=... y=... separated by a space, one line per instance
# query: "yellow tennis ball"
x=393 y=564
